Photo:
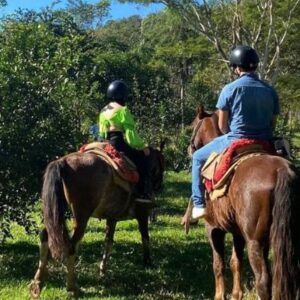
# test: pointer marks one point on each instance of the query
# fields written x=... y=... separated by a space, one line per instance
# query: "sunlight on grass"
x=182 y=265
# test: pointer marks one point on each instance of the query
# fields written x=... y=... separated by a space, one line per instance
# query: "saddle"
x=219 y=168
x=124 y=170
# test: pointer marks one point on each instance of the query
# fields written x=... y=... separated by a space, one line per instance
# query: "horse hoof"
x=35 y=289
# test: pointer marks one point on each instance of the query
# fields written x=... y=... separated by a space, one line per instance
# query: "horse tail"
x=54 y=206
x=286 y=235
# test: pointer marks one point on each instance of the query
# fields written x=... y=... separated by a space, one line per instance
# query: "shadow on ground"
x=182 y=268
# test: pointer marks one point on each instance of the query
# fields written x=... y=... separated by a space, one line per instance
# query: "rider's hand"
x=146 y=151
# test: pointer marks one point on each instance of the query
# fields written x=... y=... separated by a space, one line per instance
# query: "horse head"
x=205 y=128
x=156 y=167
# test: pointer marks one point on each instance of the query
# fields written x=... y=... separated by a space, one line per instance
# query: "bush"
x=176 y=153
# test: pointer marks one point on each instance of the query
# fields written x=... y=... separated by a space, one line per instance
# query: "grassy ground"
x=182 y=264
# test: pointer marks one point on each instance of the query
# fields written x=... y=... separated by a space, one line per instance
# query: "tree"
x=226 y=23
x=87 y=15
x=123 y=35
x=42 y=110
x=178 y=49
x=120 y=55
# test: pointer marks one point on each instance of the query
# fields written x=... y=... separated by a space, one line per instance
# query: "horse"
x=85 y=183
x=261 y=210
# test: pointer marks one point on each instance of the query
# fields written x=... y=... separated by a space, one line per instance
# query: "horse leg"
x=142 y=218
x=235 y=265
x=153 y=215
x=36 y=284
x=109 y=240
x=216 y=239
x=258 y=257
x=78 y=233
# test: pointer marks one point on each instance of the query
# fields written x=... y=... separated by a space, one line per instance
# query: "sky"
x=117 y=11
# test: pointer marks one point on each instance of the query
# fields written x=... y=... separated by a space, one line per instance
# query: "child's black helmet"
x=117 y=90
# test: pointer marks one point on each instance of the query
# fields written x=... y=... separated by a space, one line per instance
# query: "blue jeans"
x=199 y=158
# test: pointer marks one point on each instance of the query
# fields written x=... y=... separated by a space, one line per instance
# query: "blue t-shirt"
x=251 y=104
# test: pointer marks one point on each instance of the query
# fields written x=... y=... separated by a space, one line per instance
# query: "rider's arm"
x=131 y=135
x=223 y=121
x=223 y=110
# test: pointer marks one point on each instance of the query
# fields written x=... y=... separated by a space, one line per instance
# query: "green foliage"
x=123 y=35
x=176 y=152
x=41 y=111
x=55 y=66
x=87 y=15
x=283 y=129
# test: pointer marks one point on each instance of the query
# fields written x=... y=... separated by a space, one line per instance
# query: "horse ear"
x=162 y=145
x=200 y=111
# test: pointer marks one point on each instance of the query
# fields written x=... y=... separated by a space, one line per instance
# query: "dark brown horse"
x=85 y=183
x=261 y=210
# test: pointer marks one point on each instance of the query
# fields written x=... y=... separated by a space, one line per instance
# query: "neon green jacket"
x=122 y=119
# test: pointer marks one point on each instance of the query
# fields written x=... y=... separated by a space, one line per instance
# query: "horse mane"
x=208 y=121
x=214 y=118
x=201 y=114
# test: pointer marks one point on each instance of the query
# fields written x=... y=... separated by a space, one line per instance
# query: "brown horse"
x=261 y=210
x=85 y=183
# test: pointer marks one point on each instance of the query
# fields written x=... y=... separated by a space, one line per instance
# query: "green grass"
x=182 y=264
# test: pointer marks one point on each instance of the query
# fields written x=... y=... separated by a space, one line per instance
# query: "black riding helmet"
x=117 y=90
x=245 y=57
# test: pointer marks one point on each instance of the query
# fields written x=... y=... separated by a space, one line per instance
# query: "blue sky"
x=118 y=10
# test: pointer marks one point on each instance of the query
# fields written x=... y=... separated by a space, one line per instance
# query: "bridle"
x=195 y=131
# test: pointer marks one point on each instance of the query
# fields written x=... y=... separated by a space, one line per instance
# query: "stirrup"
x=145 y=202
x=142 y=200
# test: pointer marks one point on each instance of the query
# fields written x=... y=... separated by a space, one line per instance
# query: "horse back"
x=90 y=187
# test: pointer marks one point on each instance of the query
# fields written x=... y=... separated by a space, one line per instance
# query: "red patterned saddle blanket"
x=218 y=169
x=124 y=167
